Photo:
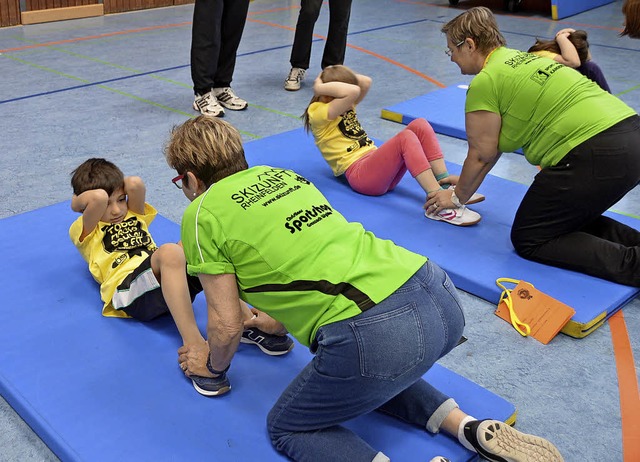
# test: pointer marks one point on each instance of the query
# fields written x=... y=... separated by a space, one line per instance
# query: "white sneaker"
x=208 y=105
x=294 y=79
x=460 y=216
x=227 y=98
x=497 y=441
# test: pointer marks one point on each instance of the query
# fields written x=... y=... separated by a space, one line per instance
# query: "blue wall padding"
x=105 y=389
x=566 y=8
x=473 y=256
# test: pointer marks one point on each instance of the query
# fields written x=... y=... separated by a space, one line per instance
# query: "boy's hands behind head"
x=94 y=197
x=135 y=190
x=92 y=204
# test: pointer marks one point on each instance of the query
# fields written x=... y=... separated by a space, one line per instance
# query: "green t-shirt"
x=547 y=108
x=294 y=256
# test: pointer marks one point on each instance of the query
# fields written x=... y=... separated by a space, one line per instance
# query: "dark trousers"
x=215 y=37
x=560 y=222
x=334 y=48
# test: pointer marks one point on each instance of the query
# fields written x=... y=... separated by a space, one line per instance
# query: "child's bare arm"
x=92 y=205
x=568 y=53
x=344 y=95
x=135 y=190
x=364 y=83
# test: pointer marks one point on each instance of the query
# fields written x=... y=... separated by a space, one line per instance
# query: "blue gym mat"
x=106 y=389
x=473 y=256
x=443 y=108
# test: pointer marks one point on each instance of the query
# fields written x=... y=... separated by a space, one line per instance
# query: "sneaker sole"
x=232 y=108
x=204 y=392
x=292 y=88
x=475 y=201
x=264 y=350
x=504 y=443
x=437 y=218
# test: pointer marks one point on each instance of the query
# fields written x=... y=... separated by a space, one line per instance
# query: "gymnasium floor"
x=113 y=86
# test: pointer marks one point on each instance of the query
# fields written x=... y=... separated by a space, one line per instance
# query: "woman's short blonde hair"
x=477 y=23
x=208 y=147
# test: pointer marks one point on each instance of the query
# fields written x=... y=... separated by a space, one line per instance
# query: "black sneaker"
x=273 y=345
x=211 y=386
x=498 y=442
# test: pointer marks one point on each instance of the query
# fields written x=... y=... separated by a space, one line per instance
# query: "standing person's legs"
x=301 y=51
x=379 y=171
x=234 y=17
x=559 y=220
x=205 y=44
x=359 y=366
x=334 y=48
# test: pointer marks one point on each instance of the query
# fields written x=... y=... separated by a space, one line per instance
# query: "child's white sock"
x=463 y=440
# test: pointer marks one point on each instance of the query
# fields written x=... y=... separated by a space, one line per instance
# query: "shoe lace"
x=296 y=74
x=227 y=94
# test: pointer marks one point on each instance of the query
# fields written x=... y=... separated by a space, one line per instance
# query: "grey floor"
x=113 y=86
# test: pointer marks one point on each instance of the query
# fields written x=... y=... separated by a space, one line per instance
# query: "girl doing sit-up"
x=345 y=146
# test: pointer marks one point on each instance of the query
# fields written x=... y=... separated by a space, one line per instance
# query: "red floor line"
x=363 y=50
x=93 y=37
x=124 y=32
x=396 y=63
x=167 y=26
x=628 y=388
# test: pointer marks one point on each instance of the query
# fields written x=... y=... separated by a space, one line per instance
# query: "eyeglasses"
x=178 y=181
x=448 y=52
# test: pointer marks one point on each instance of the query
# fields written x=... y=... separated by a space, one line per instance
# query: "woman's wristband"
x=213 y=371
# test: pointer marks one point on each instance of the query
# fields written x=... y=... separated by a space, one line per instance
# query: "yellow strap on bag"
x=521 y=327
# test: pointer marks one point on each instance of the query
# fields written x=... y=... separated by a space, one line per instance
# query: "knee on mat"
x=276 y=436
x=523 y=246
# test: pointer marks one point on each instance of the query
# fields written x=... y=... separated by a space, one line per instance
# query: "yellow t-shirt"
x=113 y=251
x=545 y=54
x=341 y=141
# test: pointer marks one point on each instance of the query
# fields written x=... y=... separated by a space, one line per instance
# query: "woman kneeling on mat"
x=586 y=141
x=375 y=315
x=345 y=146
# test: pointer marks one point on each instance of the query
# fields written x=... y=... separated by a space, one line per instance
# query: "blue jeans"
x=373 y=361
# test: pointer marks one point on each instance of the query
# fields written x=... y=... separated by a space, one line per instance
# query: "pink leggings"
x=380 y=170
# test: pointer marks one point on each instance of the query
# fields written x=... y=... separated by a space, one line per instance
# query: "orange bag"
x=532 y=312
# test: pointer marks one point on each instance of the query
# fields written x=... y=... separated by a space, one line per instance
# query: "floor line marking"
x=95 y=37
x=363 y=50
x=628 y=387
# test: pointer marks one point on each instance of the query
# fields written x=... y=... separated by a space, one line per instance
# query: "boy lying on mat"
x=113 y=236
